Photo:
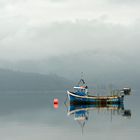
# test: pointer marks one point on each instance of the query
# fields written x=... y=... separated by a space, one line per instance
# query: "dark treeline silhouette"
x=15 y=80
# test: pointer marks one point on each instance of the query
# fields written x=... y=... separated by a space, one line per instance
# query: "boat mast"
x=81 y=82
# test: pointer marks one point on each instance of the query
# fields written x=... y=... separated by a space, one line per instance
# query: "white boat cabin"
x=81 y=90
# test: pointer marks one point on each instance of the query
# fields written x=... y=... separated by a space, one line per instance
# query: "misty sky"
x=65 y=36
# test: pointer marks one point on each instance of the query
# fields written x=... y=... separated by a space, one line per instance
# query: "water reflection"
x=31 y=116
x=81 y=112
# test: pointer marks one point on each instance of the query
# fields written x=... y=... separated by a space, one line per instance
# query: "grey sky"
x=37 y=12
x=50 y=35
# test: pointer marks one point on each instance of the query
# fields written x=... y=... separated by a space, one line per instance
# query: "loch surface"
x=31 y=115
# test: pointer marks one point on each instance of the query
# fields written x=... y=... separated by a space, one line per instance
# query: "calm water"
x=31 y=116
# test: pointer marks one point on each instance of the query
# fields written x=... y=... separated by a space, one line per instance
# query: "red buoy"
x=55 y=103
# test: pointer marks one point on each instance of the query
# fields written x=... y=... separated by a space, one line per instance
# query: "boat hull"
x=103 y=100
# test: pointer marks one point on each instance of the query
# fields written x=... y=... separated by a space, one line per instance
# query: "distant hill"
x=15 y=80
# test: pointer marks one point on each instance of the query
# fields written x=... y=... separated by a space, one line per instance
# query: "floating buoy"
x=55 y=103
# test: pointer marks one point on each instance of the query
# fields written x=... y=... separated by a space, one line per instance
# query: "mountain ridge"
x=17 y=80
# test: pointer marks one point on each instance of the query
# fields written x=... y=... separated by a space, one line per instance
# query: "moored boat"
x=87 y=99
x=81 y=96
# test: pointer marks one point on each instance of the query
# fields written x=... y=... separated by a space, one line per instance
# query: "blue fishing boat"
x=80 y=95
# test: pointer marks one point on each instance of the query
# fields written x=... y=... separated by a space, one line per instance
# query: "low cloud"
x=101 y=50
x=36 y=43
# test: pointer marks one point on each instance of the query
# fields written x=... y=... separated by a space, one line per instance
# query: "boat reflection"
x=81 y=112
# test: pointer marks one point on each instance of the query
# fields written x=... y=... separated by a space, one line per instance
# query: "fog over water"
x=66 y=37
x=44 y=47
